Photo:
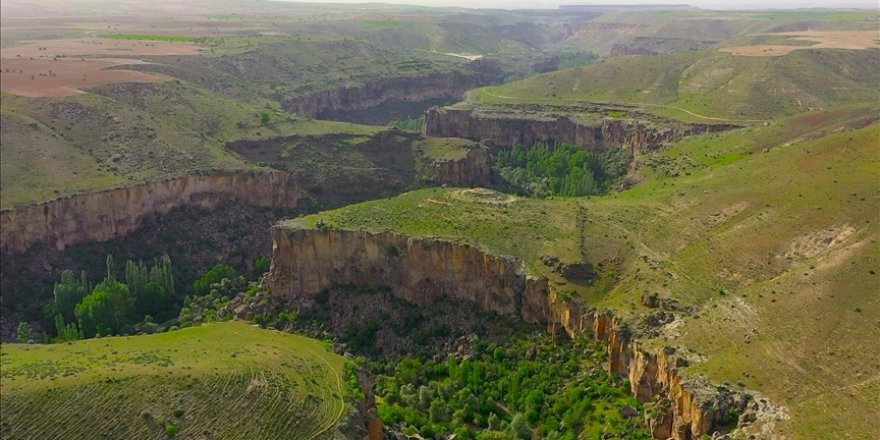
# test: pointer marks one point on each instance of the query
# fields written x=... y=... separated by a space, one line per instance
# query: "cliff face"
x=108 y=214
x=307 y=261
x=448 y=85
x=503 y=130
x=475 y=169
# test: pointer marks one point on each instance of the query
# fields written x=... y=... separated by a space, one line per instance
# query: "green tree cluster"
x=111 y=306
x=409 y=124
x=547 y=169
x=524 y=389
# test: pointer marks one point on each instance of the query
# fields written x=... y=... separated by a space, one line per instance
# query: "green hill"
x=767 y=233
x=705 y=85
x=224 y=380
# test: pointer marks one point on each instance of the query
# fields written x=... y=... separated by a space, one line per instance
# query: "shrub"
x=170 y=430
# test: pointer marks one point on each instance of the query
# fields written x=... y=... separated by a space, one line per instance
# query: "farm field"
x=225 y=380
x=852 y=40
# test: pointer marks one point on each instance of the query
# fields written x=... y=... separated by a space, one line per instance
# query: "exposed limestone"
x=113 y=213
x=504 y=128
x=307 y=261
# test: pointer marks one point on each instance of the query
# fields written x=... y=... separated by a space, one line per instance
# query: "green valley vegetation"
x=548 y=169
x=528 y=388
x=145 y=300
x=410 y=124
x=227 y=380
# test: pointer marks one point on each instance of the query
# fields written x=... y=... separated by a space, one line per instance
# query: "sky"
x=708 y=4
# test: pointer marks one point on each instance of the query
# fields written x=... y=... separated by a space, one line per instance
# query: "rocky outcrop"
x=113 y=213
x=307 y=261
x=504 y=129
x=109 y=214
x=474 y=169
x=446 y=85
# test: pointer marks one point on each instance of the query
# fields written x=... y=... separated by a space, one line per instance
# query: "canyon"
x=307 y=261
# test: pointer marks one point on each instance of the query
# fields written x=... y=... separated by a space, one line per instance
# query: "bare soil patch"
x=54 y=68
x=66 y=77
x=854 y=40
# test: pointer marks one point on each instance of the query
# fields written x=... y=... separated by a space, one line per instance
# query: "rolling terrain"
x=686 y=198
x=753 y=269
x=227 y=380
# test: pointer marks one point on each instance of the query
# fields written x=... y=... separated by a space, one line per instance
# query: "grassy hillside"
x=683 y=29
x=706 y=85
x=224 y=380
x=768 y=233
x=124 y=134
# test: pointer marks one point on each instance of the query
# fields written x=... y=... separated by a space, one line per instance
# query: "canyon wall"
x=447 y=85
x=113 y=213
x=505 y=129
x=474 y=169
x=109 y=214
x=307 y=261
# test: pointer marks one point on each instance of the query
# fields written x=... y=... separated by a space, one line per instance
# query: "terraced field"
x=224 y=380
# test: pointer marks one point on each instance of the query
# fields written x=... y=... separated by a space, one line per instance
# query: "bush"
x=202 y=286
x=170 y=430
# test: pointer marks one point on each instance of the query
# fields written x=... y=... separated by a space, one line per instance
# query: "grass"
x=58 y=147
x=768 y=232
x=229 y=380
x=704 y=86
x=383 y=24
x=150 y=37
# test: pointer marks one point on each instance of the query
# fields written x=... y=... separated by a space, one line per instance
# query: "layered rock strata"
x=504 y=129
x=113 y=213
x=307 y=261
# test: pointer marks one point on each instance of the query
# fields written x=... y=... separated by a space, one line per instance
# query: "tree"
x=202 y=286
x=67 y=332
x=265 y=117
x=106 y=310
x=494 y=422
x=69 y=292
x=152 y=289
x=24 y=334
x=438 y=412
x=519 y=428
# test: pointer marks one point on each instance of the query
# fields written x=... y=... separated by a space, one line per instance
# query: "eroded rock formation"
x=504 y=129
x=447 y=85
x=113 y=213
x=307 y=261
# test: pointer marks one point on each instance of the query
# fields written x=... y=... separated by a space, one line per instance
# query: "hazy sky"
x=708 y=4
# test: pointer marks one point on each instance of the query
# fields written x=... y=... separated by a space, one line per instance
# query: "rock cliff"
x=447 y=85
x=109 y=214
x=307 y=261
x=113 y=213
x=502 y=129
x=474 y=169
